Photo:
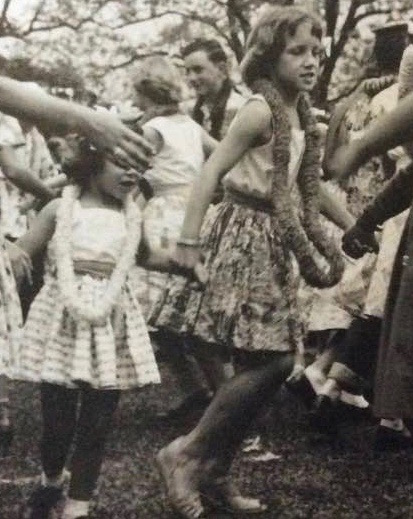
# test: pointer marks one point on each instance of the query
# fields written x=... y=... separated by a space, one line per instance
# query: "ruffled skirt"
x=250 y=299
x=116 y=354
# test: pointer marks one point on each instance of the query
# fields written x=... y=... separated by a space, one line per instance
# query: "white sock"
x=74 y=508
x=396 y=424
x=354 y=400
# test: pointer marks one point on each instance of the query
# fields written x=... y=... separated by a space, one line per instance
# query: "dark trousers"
x=356 y=358
x=81 y=414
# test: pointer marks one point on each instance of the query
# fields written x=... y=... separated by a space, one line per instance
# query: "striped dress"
x=56 y=348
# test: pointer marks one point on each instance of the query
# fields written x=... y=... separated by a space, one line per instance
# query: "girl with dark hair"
x=85 y=338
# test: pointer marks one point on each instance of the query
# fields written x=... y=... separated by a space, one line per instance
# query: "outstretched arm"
x=57 y=115
x=334 y=209
x=21 y=177
x=252 y=123
x=388 y=131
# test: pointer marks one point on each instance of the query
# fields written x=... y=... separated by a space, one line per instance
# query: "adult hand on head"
x=123 y=145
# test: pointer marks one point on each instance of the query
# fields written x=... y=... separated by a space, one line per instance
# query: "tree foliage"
x=97 y=39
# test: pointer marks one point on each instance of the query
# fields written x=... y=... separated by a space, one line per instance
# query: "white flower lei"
x=79 y=309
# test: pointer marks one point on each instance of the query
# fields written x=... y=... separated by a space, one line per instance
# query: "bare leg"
x=212 y=362
x=182 y=365
x=208 y=450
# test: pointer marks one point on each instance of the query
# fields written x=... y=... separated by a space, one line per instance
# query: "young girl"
x=85 y=339
x=180 y=146
x=270 y=159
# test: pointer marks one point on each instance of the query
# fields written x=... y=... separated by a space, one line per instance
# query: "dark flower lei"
x=298 y=234
x=217 y=114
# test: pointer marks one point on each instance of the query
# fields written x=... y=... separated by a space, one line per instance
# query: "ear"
x=223 y=67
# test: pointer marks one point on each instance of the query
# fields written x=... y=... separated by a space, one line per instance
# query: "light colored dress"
x=116 y=354
x=173 y=171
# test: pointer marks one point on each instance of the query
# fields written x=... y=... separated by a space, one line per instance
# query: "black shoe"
x=41 y=502
x=6 y=439
x=197 y=401
x=389 y=440
x=324 y=416
x=301 y=388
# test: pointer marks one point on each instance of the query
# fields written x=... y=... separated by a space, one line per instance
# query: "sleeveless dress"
x=173 y=172
x=58 y=349
x=250 y=298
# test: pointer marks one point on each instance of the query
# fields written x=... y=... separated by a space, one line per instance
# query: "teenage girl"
x=269 y=162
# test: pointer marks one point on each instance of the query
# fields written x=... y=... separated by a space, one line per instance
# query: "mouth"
x=308 y=76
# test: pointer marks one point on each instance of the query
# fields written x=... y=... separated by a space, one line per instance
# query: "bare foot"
x=182 y=477
x=224 y=494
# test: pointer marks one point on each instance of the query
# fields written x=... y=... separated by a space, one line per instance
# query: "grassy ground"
x=306 y=480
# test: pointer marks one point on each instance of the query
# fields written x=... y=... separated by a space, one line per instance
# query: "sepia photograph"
x=206 y=259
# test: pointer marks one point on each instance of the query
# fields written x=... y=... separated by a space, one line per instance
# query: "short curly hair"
x=159 y=80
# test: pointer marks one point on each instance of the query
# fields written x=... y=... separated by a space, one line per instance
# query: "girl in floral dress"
x=269 y=162
x=85 y=339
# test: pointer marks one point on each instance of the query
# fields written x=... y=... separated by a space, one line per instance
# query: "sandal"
x=186 y=503
x=222 y=494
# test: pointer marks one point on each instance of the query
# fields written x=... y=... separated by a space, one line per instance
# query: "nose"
x=311 y=59
x=191 y=77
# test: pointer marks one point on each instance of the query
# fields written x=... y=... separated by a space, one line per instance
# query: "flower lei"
x=79 y=309
x=298 y=234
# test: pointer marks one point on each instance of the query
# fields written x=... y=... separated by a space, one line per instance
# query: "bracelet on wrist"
x=188 y=242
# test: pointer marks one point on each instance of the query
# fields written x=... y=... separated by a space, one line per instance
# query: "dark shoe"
x=197 y=401
x=301 y=387
x=389 y=440
x=324 y=416
x=41 y=502
x=6 y=439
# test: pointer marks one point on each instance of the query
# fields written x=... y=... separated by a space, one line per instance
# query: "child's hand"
x=20 y=262
x=356 y=242
x=188 y=262
x=186 y=258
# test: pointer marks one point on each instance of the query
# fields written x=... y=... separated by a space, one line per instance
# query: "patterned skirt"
x=10 y=316
x=116 y=354
x=162 y=222
x=249 y=301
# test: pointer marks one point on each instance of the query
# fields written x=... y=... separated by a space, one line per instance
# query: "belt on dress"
x=259 y=204
x=98 y=269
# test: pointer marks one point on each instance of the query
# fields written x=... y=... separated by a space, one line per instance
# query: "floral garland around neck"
x=68 y=284
x=299 y=234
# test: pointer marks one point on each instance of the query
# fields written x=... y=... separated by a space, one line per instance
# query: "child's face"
x=115 y=180
x=298 y=65
x=203 y=75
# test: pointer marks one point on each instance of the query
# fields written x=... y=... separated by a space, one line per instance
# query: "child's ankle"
x=53 y=481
